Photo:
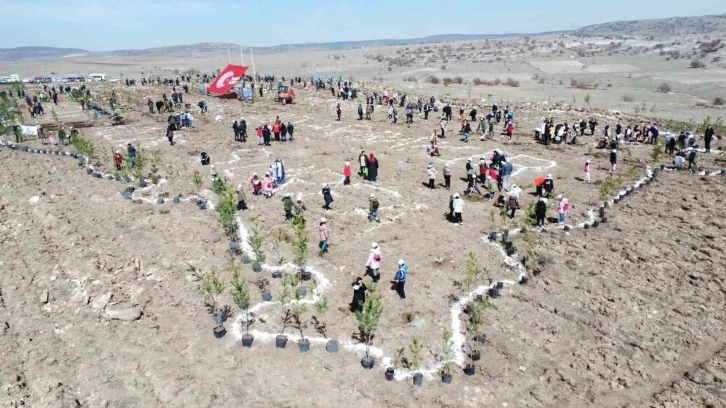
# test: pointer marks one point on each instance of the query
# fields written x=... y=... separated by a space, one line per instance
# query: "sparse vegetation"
x=664 y=88
x=433 y=80
x=628 y=98
x=697 y=64
x=718 y=101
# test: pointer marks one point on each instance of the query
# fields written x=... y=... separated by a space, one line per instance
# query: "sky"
x=104 y=25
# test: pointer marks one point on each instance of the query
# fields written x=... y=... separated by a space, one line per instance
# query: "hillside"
x=37 y=53
x=658 y=27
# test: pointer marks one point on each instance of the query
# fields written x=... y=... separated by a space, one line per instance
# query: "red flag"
x=227 y=79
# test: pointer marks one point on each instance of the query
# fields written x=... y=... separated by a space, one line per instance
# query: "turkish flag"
x=227 y=79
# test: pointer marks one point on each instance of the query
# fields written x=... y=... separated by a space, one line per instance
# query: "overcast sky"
x=133 y=24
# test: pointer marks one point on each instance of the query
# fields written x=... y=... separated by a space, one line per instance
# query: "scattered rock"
x=100 y=302
x=126 y=314
x=44 y=297
x=34 y=200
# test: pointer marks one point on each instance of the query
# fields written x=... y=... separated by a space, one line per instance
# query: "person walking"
x=513 y=202
x=613 y=160
x=260 y=141
x=442 y=125
x=506 y=175
x=363 y=162
x=324 y=235
x=708 y=137
x=235 y=129
x=338 y=111
x=372 y=168
x=170 y=134
x=447 y=176
x=401 y=278
x=588 y=170
x=327 y=196
x=432 y=175
x=290 y=129
x=373 y=264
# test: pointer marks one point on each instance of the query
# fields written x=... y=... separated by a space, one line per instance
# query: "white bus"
x=97 y=77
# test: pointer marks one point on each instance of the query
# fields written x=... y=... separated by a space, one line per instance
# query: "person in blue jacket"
x=401 y=278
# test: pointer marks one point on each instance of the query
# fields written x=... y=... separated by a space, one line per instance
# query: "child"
x=432 y=175
x=588 y=169
x=347 y=173
x=324 y=235
x=447 y=176
x=562 y=207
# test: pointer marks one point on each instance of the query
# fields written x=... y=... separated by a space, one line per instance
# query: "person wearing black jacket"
x=243 y=130
x=593 y=125
x=266 y=135
x=540 y=211
x=472 y=115
x=583 y=125
x=447 y=112
x=235 y=129
x=290 y=128
x=359 y=295
x=613 y=160
x=708 y=137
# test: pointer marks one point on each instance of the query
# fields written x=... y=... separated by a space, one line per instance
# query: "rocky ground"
x=100 y=306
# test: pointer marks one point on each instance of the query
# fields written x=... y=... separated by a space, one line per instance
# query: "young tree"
x=369 y=317
x=300 y=247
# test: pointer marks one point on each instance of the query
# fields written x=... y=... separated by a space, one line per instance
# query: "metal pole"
x=229 y=56
x=241 y=54
x=254 y=71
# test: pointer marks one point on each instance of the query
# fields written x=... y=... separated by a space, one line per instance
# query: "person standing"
x=338 y=111
x=347 y=173
x=280 y=171
x=562 y=207
x=540 y=210
x=131 y=150
x=458 y=208
x=372 y=168
x=506 y=175
x=588 y=169
x=513 y=202
x=287 y=206
x=360 y=112
x=432 y=175
x=401 y=278
x=290 y=129
x=359 y=295
x=613 y=160
x=324 y=235
x=118 y=160
x=363 y=161
x=447 y=176
x=708 y=137
x=276 y=130
x=373 y=264
x=170 y=134
x=327 y=196
x=243 y=130
x=373 y=206
x=266 y=134
x=442 y=125
x=235 y=129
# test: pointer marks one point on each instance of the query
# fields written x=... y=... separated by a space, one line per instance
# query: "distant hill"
x=37 y=53
x=662 y=27
x=215 y=48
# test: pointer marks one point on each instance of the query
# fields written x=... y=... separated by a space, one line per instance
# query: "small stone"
x=137 y=264
x=126 y=314
x=45 y=296
x=34 y=200
x=541 y=378
x=100 y=302
x=522 y=368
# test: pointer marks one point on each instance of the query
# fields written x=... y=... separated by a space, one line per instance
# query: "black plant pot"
x=159 y=201
x=524 y=280
x=234 y=247
x=586 y=226
x=117 y=178
x=130 y=189
x=89 y=171
x=276 y=275
x=505 y=236
x=467 y=309
x=567 y=228
x=247 y=340
x=536 y=272
x=301 y=292
x=305 y=276
x=202 y=205
x=332 y=346
x=193 y=200
x=479 y=298
x=219 y=332
x=303 y=345
x=607 y=204
x=245 y=259
x=470 y=369
x=493 y=236
x=143 y=184
x=595 y=224
x=126 y=195
x=604 y=220
x=368 y=362
x=267 y=297
x=446 y=378
x=601 y=212
x=500 y=285
x=480 y=338
x=139 y=201
x=256 y=267
x=418 y=379
x=281 y=341
x=616 y=200
x=177 y=200
x=389 y=374
x=493 y=293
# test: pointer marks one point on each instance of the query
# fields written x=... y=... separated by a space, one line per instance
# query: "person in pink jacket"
x=347 y=172
x=432 y=175
x=588 y=169
x=324 y=235
x=563 y=206
x=374 y=262
x=267 y=183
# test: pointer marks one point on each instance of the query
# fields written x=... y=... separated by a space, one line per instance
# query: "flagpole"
x=254 y=71
x=229 y=56
x=242 y=54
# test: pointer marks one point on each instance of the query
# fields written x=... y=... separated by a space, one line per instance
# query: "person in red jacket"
x=347 y=173
x=276 y=131
x=510 y=130
x=260 y=142
x=118 y=159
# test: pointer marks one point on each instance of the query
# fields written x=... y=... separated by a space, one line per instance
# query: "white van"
x=97 y=77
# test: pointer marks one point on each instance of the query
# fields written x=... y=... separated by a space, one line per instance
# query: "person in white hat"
x=588 y=169
x=458 y=207
x=401 y=278
x=548 y=186
x=324 y=235
x=374 y=262
x=431 y=172
x=373 y=206
x=327 y=196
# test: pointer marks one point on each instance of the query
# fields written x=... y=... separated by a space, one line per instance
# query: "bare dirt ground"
x=628 y=314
